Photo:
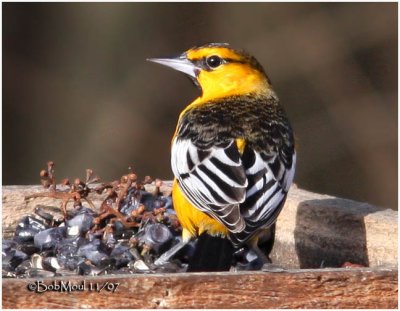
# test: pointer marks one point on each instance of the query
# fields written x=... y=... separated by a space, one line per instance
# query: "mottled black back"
x=261 y=121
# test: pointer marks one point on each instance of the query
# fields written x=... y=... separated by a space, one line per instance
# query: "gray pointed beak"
x=180 y=63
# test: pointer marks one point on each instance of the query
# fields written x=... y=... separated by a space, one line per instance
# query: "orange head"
x=221 y=71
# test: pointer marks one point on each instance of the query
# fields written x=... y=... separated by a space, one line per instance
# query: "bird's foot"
x=164 y=258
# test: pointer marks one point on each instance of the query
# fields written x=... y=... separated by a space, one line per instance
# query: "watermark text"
x=68 y=286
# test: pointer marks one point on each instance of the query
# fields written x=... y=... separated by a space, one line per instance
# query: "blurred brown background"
x=77 y=89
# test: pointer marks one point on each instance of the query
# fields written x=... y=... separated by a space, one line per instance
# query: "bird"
x=232 y=155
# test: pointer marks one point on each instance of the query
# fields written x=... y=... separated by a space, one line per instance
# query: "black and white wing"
x=213 y=179
x=269 y=178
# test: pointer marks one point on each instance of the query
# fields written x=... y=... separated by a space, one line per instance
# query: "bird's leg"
x=253 y=246
x=164 y=258
x=267 y=264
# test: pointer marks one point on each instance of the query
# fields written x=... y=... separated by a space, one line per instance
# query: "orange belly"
x=194 y=222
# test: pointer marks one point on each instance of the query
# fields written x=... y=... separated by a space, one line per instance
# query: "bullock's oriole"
x=233 y=152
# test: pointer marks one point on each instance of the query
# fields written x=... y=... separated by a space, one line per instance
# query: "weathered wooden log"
x=322 y=288
x=313 y=230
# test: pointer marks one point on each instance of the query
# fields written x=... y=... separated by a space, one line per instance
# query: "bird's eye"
x=213 y=61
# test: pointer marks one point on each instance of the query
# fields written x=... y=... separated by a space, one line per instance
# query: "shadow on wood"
x=323 y=240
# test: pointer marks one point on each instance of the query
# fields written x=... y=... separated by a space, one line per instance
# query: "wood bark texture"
x=321 y=288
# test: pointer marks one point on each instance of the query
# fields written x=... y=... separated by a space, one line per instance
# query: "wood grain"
x=322 y=288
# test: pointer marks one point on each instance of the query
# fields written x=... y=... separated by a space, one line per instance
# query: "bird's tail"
x=212 y=253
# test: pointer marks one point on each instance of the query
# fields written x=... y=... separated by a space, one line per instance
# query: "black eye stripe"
x=231 y=60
